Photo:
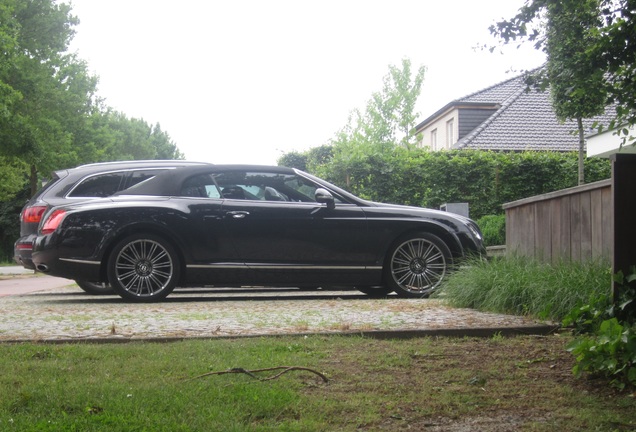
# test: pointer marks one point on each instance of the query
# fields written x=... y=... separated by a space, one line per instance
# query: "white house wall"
x=607 y=143
x=440 y=126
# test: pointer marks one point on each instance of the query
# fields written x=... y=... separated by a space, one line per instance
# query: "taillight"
x=33 y=214
x=53 y=221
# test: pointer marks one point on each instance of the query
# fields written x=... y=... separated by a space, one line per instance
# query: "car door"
x=281 y=233
x=212 y=255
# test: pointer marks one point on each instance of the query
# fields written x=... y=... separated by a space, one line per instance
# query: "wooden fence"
x=570 y=224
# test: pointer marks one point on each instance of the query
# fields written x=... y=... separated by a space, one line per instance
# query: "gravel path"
x=67 y=313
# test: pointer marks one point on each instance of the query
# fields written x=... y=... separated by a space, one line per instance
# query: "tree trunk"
x=581 y=151
x=33 y=180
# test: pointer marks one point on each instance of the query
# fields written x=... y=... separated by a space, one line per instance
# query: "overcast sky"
x=243 y=81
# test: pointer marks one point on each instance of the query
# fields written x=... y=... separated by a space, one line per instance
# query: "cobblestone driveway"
x=69 y=314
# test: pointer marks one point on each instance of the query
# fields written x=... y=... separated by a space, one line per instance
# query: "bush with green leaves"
x=493 y=229
x=484 y=179
x=606 y=345
x=609 y=352
x=10 y=223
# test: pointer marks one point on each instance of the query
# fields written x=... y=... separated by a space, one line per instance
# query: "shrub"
x=608 y=348
x=610 y=352
x=493 y=228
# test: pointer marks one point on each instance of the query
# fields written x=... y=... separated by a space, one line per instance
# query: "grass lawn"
x=431 y=384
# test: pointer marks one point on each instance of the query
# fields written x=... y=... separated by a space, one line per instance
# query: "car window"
x=266 y=186
x=98 y=186
x=46 y=186
x=138 y=176
x=202 y=186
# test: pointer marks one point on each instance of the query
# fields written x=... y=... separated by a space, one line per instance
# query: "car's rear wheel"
x=417 y=264
x=143 y=268
x=95 y=288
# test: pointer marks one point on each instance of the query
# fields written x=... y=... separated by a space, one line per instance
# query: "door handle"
x=238 y=214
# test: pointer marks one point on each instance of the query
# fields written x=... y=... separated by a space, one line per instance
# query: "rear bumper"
x=61 y=262
x=23 y=251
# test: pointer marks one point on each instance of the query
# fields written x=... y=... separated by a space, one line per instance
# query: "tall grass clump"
x=524 y=286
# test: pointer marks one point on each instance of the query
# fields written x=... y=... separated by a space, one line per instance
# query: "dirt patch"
x=504 y=384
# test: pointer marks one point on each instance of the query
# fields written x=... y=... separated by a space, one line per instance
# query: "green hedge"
x=486 y=180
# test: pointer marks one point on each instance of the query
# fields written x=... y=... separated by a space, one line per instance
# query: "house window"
x=434 y=139
x=450 y=133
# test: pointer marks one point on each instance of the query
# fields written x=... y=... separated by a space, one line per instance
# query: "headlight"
x=475 y=230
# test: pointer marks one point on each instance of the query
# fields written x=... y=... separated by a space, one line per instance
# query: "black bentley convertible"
x=240 y=225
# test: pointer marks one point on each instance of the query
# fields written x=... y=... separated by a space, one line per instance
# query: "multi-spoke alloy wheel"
x=417 y=265
x=143 y=268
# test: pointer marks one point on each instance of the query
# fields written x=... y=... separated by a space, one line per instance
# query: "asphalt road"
x=18 y=280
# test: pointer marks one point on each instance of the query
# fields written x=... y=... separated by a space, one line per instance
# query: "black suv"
x=85 y=182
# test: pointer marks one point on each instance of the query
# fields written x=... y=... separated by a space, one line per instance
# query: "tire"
x=143 y=268
x=417 y=264
x=375 y=291
x=95 y=288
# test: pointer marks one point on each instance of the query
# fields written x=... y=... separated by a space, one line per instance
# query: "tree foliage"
x=42 y=85
x=568 y=32
x=50 y=114
x=591 y=47
x=388 y=122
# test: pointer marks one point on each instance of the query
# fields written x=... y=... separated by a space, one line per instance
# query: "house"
x=504 y=117
x=607 y=143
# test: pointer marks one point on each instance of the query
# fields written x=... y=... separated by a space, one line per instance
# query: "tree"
x=568 y=31
x=389 y=117
x=163 y=145
x=12 y=178
x=50 y=115
x=388 y=121
x=617 y=49
x=118 y=137
x=294 y=159
x=577 y=82
x=43 y=89
x=606 y=45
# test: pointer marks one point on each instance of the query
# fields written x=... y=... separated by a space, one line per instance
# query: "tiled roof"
x=524 y=121
x=496 y=94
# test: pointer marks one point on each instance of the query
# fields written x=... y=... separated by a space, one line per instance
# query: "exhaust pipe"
x=43 y=268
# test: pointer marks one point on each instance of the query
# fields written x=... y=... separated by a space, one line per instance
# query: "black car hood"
x=419 y=210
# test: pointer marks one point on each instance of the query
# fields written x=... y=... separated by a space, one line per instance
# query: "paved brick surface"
x=20 y=284
x=52 y=309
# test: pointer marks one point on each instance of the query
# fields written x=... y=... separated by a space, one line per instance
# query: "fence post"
x=624 y=203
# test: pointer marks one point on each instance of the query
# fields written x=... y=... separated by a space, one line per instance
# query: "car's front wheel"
x=417 y=264
x=95 y=288
x=143 y=268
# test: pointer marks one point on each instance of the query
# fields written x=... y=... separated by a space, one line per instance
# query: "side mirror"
x=323 y=196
